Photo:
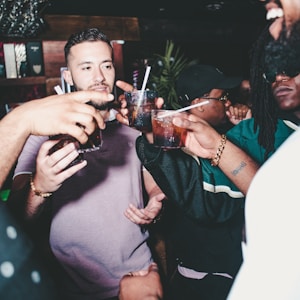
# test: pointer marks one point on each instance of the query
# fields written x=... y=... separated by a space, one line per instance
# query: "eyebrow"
x=90 y=62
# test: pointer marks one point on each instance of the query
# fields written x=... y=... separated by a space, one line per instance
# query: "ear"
x=68 y=77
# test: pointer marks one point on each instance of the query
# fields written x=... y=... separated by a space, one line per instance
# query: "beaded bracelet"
x=37 y=192
x=216 y=160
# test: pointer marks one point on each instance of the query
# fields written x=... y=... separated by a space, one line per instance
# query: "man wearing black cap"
x=198 y=80
x=199 y=83
x=207 y=255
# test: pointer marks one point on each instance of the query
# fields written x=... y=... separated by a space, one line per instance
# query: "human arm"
x=143 y=285
x=154 y=205
x=47 y=176
x=47 y=116
x=204 y=141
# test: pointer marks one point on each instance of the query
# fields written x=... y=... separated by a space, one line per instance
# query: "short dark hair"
x=90 y=34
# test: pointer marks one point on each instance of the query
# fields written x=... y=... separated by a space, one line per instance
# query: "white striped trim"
x=222 y=189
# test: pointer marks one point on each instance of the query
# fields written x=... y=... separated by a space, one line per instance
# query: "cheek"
x=219 y=114
x=82 y=82
x=110 y=79
x=218 y=109
x=297 y=85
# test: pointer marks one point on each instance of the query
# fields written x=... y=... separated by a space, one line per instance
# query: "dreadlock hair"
x=264 y=107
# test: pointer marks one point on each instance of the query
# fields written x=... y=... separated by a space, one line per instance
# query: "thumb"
x=124 y=86
x=184 y=123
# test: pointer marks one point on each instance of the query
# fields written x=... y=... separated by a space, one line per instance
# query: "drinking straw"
x=146 y=77
x=58 y=90
x=144 y=86
x=173 y=112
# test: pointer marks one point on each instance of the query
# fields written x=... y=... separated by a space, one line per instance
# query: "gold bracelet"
x=216 y=160
x=37 y=192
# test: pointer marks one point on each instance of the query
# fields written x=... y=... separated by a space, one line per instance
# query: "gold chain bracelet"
x=37 y=192
x=216 y=160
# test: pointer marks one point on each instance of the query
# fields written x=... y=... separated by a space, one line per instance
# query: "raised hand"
x=148 y=214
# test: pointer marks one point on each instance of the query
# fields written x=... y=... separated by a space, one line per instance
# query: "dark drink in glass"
x=165 y=134
x=139 y=109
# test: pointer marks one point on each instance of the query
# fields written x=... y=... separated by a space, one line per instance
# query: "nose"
x=99 y=75
x=282 y=77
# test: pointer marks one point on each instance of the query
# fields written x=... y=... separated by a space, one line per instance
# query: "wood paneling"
x=54 y=57
x=60 y=27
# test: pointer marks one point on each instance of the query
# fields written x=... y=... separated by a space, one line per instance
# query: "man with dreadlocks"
x=277 y=95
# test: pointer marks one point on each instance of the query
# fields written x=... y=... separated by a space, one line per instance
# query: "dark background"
x=218 y=32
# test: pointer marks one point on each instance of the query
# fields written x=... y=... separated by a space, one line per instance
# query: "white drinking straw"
x=173 y=112
x=148 y=69
x=58 y=90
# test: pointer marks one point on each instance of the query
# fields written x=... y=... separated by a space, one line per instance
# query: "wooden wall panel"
x=54 y=57
x=60 y=27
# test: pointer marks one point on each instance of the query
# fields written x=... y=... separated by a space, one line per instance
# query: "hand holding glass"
x=94 y=142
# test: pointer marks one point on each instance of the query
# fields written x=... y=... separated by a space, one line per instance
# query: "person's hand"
x=238 y=112
x=123 y=112
x=62 y=113
x=148 y=214
x=51 y=169
x=201 y=139
x=142 y=285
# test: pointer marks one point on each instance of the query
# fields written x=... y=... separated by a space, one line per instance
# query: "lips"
x=282 y=91
x=99 y=88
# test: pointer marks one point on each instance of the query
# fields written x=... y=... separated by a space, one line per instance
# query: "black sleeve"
x=180 y=177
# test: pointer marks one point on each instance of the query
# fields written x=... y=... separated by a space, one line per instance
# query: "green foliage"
x=164 y=74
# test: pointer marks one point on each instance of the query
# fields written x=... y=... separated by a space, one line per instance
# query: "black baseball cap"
x=198 y=80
